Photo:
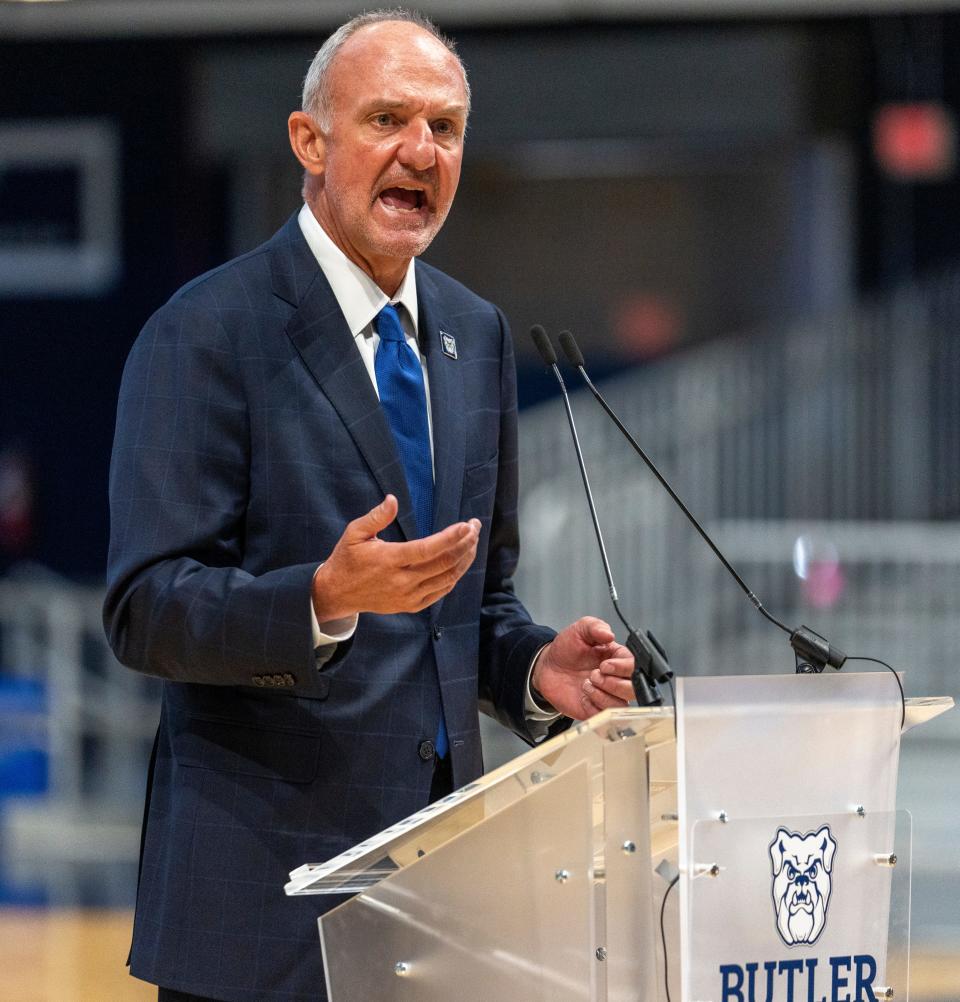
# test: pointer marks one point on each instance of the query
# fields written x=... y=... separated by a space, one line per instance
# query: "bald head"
x=317 y=89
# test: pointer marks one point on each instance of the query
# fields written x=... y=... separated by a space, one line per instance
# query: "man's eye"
x=384 y=118
x=444 y=128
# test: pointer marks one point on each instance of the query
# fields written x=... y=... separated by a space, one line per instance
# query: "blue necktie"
x=400 y=384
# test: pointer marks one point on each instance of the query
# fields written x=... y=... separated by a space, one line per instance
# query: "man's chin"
x=403 y=243
x=403 y=234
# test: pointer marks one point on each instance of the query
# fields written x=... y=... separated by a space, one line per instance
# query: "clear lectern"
x=751 y=851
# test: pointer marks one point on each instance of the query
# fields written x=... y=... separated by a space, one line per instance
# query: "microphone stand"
x=815 y=650
x=650 y=659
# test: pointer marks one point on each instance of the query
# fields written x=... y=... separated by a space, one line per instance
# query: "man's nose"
x=417 y=149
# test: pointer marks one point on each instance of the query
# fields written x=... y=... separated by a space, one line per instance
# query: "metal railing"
x=855 y=419
x=79 y=841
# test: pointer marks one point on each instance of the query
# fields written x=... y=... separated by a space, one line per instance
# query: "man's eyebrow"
x=391 y=105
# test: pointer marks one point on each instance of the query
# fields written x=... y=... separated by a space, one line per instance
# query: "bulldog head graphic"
x=801 y=883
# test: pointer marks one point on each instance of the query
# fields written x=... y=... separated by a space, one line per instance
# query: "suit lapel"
x=446 y=406
x=320 y=334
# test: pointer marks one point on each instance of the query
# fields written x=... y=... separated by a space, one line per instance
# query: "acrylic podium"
x=773 y=801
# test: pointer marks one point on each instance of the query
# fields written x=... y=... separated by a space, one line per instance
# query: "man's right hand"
x=366 y=574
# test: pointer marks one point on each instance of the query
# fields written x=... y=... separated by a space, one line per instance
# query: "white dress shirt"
x=360 y=300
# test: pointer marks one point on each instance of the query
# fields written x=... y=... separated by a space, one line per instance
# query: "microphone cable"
x=663 y=934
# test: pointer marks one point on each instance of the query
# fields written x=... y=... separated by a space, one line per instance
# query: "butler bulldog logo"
x=802 y=865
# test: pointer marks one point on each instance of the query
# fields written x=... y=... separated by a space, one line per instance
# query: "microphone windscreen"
x=570 y=349
x=543 y=344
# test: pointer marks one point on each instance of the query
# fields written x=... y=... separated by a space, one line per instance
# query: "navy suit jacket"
x=248 y=435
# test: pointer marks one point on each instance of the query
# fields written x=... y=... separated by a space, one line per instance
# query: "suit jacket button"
x=437 y=632
x=288 y=679
x=427 y=750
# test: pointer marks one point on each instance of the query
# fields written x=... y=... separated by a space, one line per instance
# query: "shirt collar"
x=359 y=297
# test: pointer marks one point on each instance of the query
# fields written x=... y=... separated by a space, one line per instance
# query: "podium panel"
x=774 y=747
x=500 y=911
x=630 y=932
x=803 y=907
x=772 y=803
x=505 y=888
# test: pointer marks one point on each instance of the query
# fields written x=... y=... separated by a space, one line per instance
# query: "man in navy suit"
x=324 y=654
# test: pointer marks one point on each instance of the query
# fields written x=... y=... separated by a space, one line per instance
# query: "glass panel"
x=779 y=746
x=502 y=911
x=629 y=940
x=482 y=848
x=382 y=855
x=803 y=907
x=898 y=942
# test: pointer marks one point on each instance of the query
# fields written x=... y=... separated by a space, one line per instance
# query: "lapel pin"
x=448 y=344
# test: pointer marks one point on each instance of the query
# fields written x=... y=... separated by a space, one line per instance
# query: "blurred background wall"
x=747 y=212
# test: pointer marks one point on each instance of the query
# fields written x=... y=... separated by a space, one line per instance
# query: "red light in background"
x=16 y=503
x=915 y=141
x=646 y=325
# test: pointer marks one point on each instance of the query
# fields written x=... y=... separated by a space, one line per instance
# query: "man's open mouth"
x=404 y=199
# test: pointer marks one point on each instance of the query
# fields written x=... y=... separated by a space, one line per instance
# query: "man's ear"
x=307 y=142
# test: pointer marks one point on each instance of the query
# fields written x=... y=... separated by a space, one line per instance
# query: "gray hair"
x=316 y=84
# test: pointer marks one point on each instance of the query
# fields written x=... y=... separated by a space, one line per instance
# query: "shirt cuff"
x=532 y=709
x=333 y=631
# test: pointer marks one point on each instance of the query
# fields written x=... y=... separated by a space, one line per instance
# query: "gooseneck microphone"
x=813 y=649
x=649 y=658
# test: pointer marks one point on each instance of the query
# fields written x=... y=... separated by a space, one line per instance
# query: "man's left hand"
x=583 y=670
